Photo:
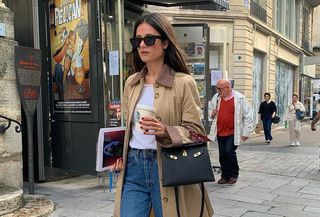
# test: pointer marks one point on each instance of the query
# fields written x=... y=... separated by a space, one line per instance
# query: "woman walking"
x=267 y=111
x=162 y=81
x=294 y=122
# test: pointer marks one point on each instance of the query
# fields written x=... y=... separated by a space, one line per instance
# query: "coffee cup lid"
x=145 y=107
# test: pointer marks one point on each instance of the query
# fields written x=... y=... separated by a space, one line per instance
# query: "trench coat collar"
x=166 y=76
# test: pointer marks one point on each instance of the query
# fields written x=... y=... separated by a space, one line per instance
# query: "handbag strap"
x=177 y=199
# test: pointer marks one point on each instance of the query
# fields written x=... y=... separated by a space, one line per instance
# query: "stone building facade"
x=10 y=141
x=316 y=42
x=262 y=44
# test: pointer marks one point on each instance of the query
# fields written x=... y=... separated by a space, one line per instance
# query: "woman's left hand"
x=153 y=126
x=117 y=166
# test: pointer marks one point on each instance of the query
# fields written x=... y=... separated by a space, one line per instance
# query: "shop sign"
x=28 y=75
x=70 y=58
x=28 y=71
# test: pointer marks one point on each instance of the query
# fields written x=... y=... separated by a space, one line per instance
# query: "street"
x=275 y=180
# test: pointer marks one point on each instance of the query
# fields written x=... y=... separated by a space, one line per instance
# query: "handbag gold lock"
x=197 y=154
x=184 y=153
x=173 y=157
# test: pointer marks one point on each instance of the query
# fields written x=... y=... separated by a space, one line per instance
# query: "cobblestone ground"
x=275 y=180
x=284 y=164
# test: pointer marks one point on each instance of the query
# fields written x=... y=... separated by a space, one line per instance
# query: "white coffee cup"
x=142 y=111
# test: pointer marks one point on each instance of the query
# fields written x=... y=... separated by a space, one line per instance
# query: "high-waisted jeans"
x=141 y=189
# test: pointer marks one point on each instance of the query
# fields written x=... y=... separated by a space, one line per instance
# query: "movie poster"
x=70 y=56
x=109 y=147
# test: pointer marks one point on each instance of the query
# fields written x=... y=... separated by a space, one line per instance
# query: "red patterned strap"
x=197 y=137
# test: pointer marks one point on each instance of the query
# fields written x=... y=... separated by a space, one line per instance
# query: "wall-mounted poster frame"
x=70 y=56
x=193 y=39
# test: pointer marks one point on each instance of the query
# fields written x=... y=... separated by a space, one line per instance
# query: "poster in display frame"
x=201 y=85
x=199 y=70
x=70 y=56
x=114 y=113
x=216 y=75
x=199 y=50
x=109 y=147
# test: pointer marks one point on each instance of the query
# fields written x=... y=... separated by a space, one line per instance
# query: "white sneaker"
x=293 y=144
x=297 y=143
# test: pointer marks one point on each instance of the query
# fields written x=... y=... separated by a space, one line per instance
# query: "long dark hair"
x=173 y=55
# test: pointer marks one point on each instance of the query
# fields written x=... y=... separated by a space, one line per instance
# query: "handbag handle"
x=217 y=103
x=177 y=199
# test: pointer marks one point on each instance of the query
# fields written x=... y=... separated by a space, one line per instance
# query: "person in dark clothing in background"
x=267 y=111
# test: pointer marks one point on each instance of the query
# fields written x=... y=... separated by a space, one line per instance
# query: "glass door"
x=306 y=92
x=112 y=47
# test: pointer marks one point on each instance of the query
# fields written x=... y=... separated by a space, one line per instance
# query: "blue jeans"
x=267 y=122
x=228 y=157
x=141 y=188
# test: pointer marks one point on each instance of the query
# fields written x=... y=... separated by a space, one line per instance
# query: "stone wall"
x=10 y=141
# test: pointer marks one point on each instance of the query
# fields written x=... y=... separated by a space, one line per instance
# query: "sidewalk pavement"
x=275 y=180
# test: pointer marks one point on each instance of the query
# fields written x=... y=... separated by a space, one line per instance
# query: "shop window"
x=315 y=96
x=215 y=63
x=286 y=13
x=306 y=92
x=112 y=49
x=305 y=29
x=128 y=33
x=191 y=39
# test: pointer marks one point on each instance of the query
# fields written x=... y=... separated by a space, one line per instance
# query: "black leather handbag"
x=276 y=119
x=185 y=165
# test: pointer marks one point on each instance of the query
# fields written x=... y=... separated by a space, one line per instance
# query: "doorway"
x=284 y=86
x=257 y=84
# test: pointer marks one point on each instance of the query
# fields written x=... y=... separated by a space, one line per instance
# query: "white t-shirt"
x=138 y=139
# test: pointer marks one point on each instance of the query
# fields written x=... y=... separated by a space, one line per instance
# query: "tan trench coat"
x=177 y=106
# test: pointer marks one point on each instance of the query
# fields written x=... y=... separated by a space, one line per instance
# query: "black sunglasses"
x=149 y=40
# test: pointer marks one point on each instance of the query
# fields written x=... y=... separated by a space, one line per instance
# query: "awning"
x=173 y=3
